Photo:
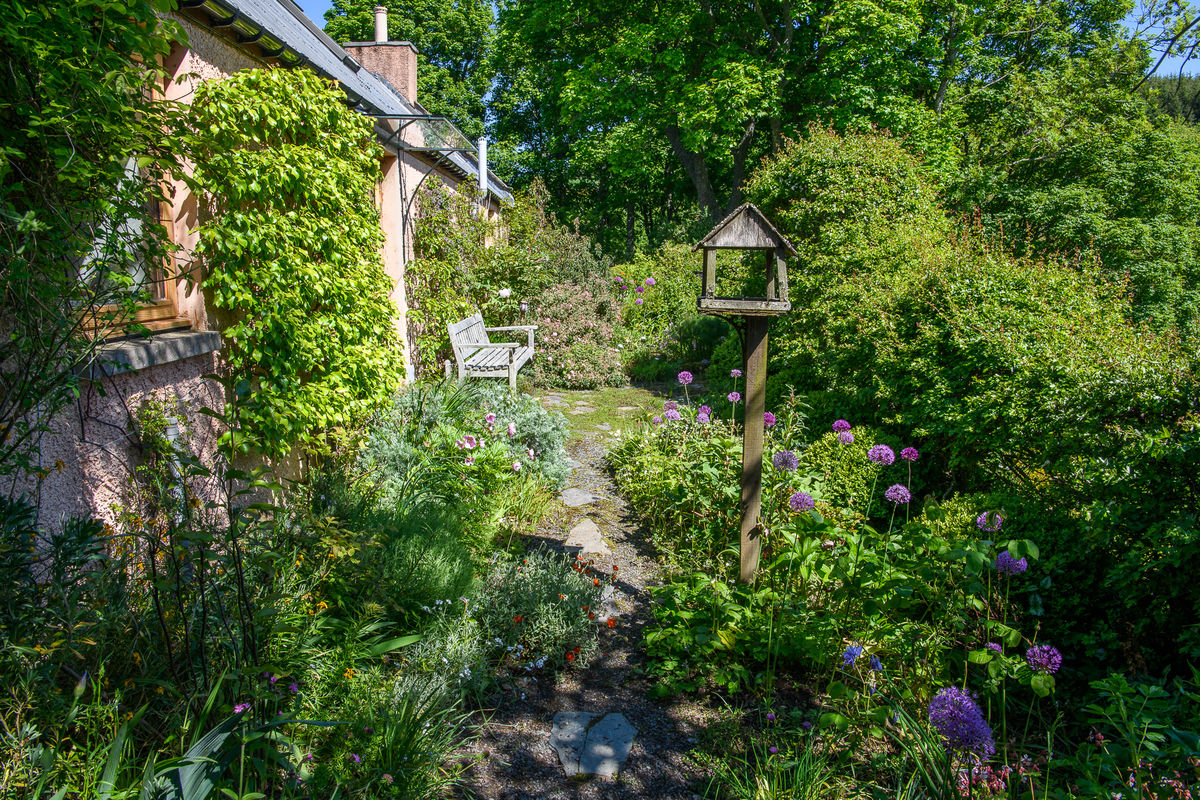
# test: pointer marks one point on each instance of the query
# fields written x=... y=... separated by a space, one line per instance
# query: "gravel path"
x=510 y=756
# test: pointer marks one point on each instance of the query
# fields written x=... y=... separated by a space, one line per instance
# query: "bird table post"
x=747 y=229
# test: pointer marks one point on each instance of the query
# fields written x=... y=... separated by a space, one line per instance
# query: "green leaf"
x=834 y=720
x=1042 y=684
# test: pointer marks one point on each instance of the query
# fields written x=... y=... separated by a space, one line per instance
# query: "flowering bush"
x=914 y=628
x=576 y=337
x=661 y=330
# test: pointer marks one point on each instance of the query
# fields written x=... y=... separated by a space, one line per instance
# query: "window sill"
x=132 y=355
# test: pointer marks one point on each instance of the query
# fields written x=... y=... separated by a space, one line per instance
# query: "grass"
x=620 y=407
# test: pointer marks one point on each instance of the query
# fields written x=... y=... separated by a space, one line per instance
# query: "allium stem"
x=871 y=497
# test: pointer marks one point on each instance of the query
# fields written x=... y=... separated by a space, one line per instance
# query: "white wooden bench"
x=479 y=357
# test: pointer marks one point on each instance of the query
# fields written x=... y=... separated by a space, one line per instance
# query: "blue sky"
x=316 y=11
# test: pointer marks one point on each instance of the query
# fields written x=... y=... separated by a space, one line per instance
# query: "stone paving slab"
x=590 y=746
x=568 y=736
x=607 y=746
x=574 y=498
x=586 y=536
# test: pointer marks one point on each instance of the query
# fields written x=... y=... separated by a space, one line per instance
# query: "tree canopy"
x=454 y=40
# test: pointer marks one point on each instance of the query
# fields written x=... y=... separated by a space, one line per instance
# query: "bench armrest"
x=482 y=345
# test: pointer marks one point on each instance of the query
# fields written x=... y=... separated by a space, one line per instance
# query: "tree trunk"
x=948 y=63
x=739 y=165
x=629 y=230
x=697 y=169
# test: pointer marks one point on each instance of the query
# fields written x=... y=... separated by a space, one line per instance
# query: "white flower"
x=504 y=293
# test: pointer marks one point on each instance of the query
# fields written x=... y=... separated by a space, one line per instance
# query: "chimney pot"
x=381 y=32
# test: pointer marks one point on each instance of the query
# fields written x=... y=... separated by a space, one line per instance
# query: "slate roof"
x=287 y=22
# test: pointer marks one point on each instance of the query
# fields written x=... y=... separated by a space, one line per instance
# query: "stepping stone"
x=578 y=411
x=626 y=408
x=586 y=536
x=554 y=400
x=590 y=746
x=604 y=426
x=574 y=498
x=573 y=464
x=568 y=736
x=607 y=746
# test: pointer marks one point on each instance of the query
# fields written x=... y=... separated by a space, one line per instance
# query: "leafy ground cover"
x=326 y=643
x=894 y=643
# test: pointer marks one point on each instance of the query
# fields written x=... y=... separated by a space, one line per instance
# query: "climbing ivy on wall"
x=290 y=252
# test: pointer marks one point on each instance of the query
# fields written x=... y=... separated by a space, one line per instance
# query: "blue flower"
x=851 y=654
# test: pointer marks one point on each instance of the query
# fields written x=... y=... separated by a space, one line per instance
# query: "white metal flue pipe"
x=483 y=181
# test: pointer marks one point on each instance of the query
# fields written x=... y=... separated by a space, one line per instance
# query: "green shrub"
x=1014 y=376
x=664 y=332
x=545 y=602
x=576 y=338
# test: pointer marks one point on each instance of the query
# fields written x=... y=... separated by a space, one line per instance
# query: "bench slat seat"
x=479 y=357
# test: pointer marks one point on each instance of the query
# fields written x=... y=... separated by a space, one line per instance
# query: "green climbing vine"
x=290 y=247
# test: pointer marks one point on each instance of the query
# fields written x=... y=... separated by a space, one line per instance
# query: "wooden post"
x=752 y=443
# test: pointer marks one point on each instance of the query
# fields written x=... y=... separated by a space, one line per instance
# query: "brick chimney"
x=395 y=62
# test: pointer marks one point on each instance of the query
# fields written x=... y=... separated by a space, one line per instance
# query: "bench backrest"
x=466 y=333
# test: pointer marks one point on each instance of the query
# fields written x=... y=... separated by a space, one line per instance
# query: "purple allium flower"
x=851 y=654
x=801 y=501
x=841 y=425
x=705 y=410
x=638 y=301
x=876 y=664
x=785 y=460
x=703 y=418
x=657 y=420
x=641 y=289
x=649 y=281
x=898 y=494
x=768 y=419
x=733 y=397
x=846 y=437
x=772 y=750
x=672 y=415
x=735 y=373
x=910 y=454
x=989 y=521
x=685 y=378
x=959 y=720
x=670 y=404
x=882 y=454
x=1007 y=565
x=995 y=647
x=618 y=279
x=770 y=717
x=241 y=707
x=1043 y=658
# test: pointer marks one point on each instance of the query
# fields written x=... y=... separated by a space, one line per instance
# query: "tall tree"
x=454 y=39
